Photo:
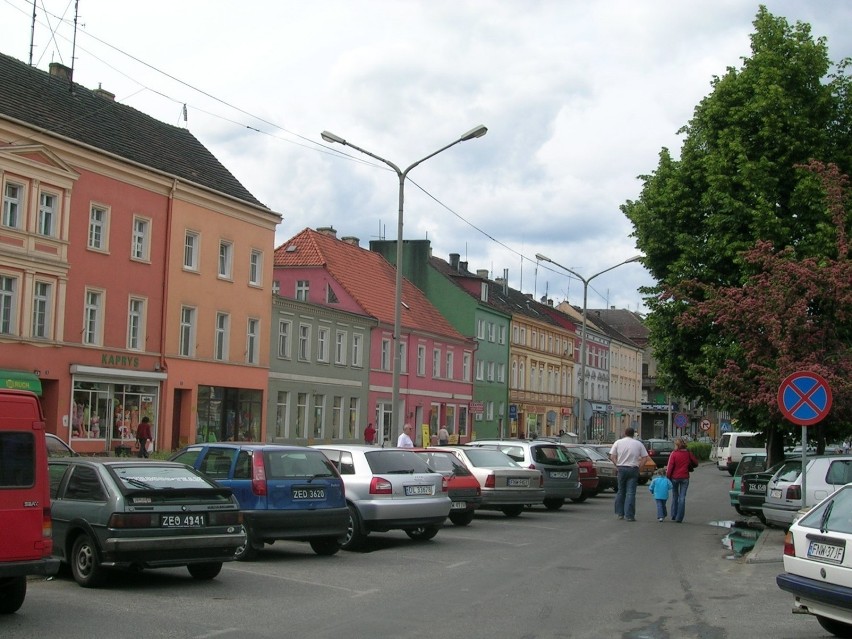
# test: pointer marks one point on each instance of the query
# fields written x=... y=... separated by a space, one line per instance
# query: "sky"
x=579 y=98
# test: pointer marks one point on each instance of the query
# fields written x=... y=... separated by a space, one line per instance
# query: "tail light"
x=380 y=486
x=540 y=480
x=133 y=520
x=445 y=484
x=794 y=492
x=490 y=481
x=743 y=486
x=531 y=466
x=583 y=469
x=46 y=533
x=258 y=475
x=789 y=546
x=226 y=518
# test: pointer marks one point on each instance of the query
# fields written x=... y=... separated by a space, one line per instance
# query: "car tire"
x=554 y=503
x=461 y=519
x=85 y=566
x=642 y=482
x=248 y=550
x=513 y=510
x=837 y=628
x=325 y=546
x=205 y=571
x=355 y=536
x=422 y=533
x=762 y=518
x=12 y=595
x=739 y=510
x=580 y=499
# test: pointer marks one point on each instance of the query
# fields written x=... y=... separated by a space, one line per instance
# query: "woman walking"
x=681 y=463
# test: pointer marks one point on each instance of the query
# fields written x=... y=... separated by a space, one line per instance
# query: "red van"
x=26 y=542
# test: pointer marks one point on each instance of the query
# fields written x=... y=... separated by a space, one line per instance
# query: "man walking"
x=628 y=454
x=405 y=440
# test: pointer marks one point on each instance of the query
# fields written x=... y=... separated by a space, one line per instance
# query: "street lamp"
x=585 y=280
x=476 y=132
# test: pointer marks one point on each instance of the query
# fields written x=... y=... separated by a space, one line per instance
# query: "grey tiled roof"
x=72 y=111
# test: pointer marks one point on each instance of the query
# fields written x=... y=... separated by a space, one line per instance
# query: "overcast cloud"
x=578 y=97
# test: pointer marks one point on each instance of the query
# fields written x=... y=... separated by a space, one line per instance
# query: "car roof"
x=115 y=461
x=245 y=446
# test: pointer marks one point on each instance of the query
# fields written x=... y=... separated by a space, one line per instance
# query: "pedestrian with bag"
x=681 y=463
x=143 y=435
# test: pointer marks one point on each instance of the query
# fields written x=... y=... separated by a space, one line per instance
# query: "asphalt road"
x=576 y=572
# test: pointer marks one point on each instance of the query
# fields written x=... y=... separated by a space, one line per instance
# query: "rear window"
x=445 y=463
x=790 y=471
x=751 y=464
x=833 y=516
x=297 y=464
x=661 y=446
x=552 y=455
x=391 y=462
x=17 y=459
x=489 y=458
x=155 y=477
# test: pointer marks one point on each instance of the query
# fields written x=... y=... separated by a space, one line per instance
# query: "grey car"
x=559 y=470
x=139 y=513
x=388 y=489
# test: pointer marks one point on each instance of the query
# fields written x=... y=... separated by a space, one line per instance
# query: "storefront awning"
x=20 y=380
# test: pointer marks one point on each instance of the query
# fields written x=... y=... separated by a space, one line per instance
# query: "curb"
x=769 y=547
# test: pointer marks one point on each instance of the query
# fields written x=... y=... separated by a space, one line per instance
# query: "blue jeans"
x=661 y=508
x=625 y=498
x=679 y=498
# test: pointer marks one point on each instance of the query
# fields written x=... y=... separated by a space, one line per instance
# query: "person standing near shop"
x=681 y=463
x=628 y=454
x=143 y=435
x=370 y=434
x=405 y=440
x=443 y=436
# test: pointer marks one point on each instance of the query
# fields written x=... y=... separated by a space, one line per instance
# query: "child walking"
x=660 y=487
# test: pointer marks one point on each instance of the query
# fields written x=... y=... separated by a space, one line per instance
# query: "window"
x=523 y=336
x=253 y=341
x=301 y=413
x=304 y=342
x=357 y=349
x=281 y=413
x=502 y=338
x=41 y=310
x=403 y=359
x=12 y=195
x=421 y=360
x=319 y=416
x=490 y=376
x=223 y=325
x=191 y=245
x=483 y=291
x=336 y=416
x=255 y=267
x=322 y=344
x=386 y=353
x=514 y=382
x=340 y=348
x=515 y=334
x=140 y=243
x=302 y=290
x=480 y=370
x=352 y=422
x=92 y=318
x=46 y=214
x=330 y=295
x=501 y=372
x=449 y=366
x=284 y=329
x=466 y=367
x=136 y=324
x=226 y=257
x=98 y=221
x=436 y=363
x=480 y=329
x=491 y=332
x=8 y=306
x=489 y=411
x=187 y=331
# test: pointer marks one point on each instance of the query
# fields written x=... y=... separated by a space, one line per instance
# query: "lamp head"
x=476 y=132
x=542 y=258
x=330 y=137
x=635 y=258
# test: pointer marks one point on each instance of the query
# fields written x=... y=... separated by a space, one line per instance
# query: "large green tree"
x=739 y=184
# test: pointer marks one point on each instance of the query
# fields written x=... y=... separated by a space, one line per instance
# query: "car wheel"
x=205 y=571
x=513 y=511
x=355 y=535
x=422 y=533
x=762 y=518
x=739 y=510
x=554 y=503
x=837 y=628
x=248 y=550
x=12 y=594
x=326 y=546
x=85 y=566
x=461 y=519
x=580 y=499
x=642 y=482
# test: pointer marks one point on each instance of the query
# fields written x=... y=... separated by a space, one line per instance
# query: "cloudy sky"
x=578 y=97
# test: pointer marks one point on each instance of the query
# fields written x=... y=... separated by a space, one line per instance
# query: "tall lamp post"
x=585 y=281
x=476 y=132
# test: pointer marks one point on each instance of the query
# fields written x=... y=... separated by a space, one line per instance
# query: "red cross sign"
x=804 y=398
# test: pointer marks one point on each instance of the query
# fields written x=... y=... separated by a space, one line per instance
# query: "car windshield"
x=596 y=454
x=555 y=455
x=832 y=515
x=661 y=446
x=396 y=462
x=490 y=458
x=444 y=463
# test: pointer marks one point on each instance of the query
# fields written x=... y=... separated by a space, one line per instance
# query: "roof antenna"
x=74 y=46
x=32 y=34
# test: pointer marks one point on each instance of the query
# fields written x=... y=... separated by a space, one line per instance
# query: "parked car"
x=26 y=541
x=57 y=447
x=588 y=474
x=733 y=445
x=784 y=498
x=753 y=491
x=605 y=469
x=388 y=489
x=560 y=472
x=506 y=485
x=659 y=451
x=141 y=513
x=285 y=492
x=751 y=463
x=818 y=564
x=463 y=489
x=646 y=471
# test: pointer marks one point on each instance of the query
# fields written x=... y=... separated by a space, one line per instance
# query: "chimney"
x=454 y=261
x=327 y=230
x=60 y=71
x=505 y=281
x=463 y=267
x=104 y=93
x=351 y=239
x=550 y=303
x=482 y=272
x=544 y=299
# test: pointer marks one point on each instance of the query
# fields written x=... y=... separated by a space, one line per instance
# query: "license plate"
x=418 y=490
x=756 y=488
x=826 y=552
x=775 y=494
x=309 y=493
x=559 y=474
x=459 y=505
x=182 y=521
x=515 y=481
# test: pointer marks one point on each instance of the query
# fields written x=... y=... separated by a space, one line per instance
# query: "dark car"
x=285 y=492
x=753 y=491
x=589 y=482
x=463 y=488
x=139 y=513
x=750 y=463
x=659 y=450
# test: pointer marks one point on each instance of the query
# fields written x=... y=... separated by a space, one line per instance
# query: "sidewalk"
x=769 y=547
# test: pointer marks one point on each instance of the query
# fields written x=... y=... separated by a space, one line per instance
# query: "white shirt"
x=628 y=452
x=404 y=441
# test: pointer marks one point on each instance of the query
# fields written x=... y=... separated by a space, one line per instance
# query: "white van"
x=732 y=447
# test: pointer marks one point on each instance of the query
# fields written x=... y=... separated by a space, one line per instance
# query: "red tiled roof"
x=368 y=277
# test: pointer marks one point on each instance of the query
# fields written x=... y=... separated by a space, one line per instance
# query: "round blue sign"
x=804 y=398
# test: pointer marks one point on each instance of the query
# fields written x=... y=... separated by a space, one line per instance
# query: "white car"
x=784 y=492
x=818 y=563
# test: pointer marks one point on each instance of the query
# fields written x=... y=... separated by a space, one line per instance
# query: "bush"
x=701 y=450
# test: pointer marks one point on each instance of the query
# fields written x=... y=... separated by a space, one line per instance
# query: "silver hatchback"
x=388 y=489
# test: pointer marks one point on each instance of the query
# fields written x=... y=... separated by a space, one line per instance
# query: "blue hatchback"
x=285 y=492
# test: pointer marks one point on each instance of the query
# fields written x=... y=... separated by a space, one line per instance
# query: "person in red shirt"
x=369 y=434
x=143 y=434
x=681 y=463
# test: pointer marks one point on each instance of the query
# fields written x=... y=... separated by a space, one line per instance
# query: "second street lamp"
x=585 y=281
x=476 y=132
